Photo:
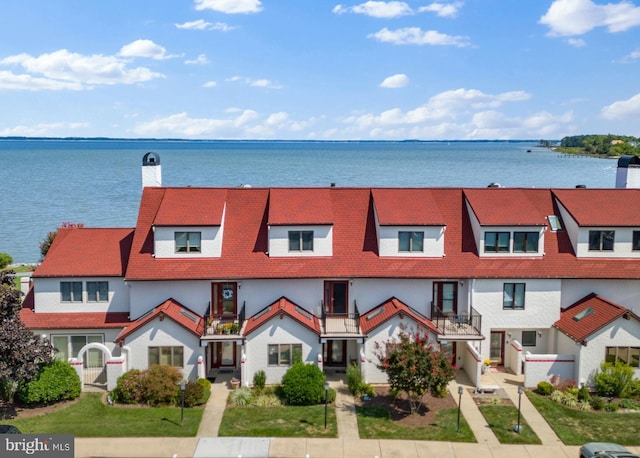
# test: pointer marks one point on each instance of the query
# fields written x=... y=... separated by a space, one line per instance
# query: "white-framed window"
x=68 y=346
x=284 y=354
x=626 y=355
x=169 y=356
x=601 y=240
x=525 y=242
x=300 y=240
x=97 y=291
x=529 y=338
x=71 y=291
x=513 y=296
x=496 y=242
x=188 y=242
x=411 y=241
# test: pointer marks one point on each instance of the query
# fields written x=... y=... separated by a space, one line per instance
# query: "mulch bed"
x=500 y=397
x=399 y=410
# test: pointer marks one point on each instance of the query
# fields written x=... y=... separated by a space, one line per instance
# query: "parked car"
x=9 y=429
x=605 y=450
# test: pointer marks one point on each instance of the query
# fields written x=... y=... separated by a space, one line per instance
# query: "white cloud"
x=622 y=109
x=417 y=36
x=230 y=6
x=577 y=17
x=201 y=24
x=44 y=129
x=577 y=42
x=210 y=84
x=631 y=57
x=145 y=48
x=63 y=67
x=254 y=82
x=386 y=10
x=200 y=60
x=395 y=81
x=26 y=82
x=443 y=9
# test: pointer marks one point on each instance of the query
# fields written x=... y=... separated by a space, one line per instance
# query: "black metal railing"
x=224 y=323
x=457 y=324
x=340 y=323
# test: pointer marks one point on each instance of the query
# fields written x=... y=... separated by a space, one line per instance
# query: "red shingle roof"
x=68 y=320
x=298 y=206
x=597 y=312
x=406 y=207
x=278 y=309
x=170 y=308
x=387 y=310
x=191 y=207
x=505 y=206
x=77 y=252
x=601 y=207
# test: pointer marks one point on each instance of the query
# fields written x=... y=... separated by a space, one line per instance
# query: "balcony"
x=340 y=325
x=460 y=326
x=223 y=326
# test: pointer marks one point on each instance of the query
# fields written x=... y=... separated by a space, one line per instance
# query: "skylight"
x=554 y=222
x=586 y=312
x=188 y=315
x=375 y=314
x=304 y=313
x=261 y=313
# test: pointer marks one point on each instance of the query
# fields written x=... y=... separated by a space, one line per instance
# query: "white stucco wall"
x=623 y=292
x=108 y=335
x=48 y=298
x=278 y=331
x=257 y=294
x=164 y=333
x=388 y=331
x=146 y=295
x=210 y=241
x=279 y=241
x=433 y=245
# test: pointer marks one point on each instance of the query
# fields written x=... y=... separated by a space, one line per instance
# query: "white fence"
x=539 y=368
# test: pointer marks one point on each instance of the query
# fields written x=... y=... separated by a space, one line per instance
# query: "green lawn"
x=279 y=421
x=374 y=423
x=575 y=427
x=90 y=417
x=502 y=419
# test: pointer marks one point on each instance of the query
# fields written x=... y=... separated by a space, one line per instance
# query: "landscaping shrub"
x=613 y=379
x=206 y=390
x=160 y=384
x=259 y=380
x=597 y=403
x=5 y=260
x=634 y=389
x=612 y=407
x=544 y=388
x=241 y=397
x=128 y=388
x=55 y=382
x=356 y=384
x=193 y=392
x=583 y=394
x=303 y=385
x=629 y=404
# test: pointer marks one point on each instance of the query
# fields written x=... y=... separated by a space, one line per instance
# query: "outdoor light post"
x=520 y=391
x=326 y=401
x=182 y=388
x=460 y=390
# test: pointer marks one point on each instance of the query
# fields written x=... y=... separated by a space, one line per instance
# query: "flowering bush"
x=129 y=387
x=487 y=362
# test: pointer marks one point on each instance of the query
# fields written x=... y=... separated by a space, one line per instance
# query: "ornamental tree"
x=21 y=352
x=414 y=367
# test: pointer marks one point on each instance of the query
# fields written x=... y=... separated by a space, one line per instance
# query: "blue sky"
x=317 y=69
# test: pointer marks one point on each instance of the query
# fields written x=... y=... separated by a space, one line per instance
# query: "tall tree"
x=415 y=367
x=21 y=351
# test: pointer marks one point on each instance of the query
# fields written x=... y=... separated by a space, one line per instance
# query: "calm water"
x=98 y=183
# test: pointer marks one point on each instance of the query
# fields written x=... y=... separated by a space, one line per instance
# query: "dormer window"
x=636 y=241
x=601 y=240
x=525 y=242
x=300 y=240
x=496 y=242
x=188 y=242
x=411 y=241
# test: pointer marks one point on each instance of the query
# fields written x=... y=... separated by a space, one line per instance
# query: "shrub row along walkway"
x=348 y=443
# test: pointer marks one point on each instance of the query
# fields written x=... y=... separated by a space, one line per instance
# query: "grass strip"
x=502 y=420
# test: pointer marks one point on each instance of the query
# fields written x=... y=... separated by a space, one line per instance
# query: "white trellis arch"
x=114 y=365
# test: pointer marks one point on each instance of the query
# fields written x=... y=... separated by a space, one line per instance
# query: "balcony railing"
x=340 y=324
x=224 y=324
x=460 y=325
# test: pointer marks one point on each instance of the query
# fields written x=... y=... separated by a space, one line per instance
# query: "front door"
x=496 y=351
x=336 y=353
x=445 y=296
x=335 y=297
x=223 y=298
x=449 y=350
x=223 y=354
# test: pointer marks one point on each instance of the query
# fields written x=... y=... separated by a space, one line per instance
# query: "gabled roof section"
x=590 y=314
x=191 y=207
x=387 y=310
x=278 y=309
x=601 y=207
x=172 y=309
x=406 y=207
x=299 y=206
x=506 y=206
x=87 y=252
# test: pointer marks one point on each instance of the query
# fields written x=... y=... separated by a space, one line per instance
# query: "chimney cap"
x=151 y=158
